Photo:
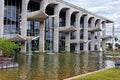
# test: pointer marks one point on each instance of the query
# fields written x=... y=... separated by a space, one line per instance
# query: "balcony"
x=107 y=37
x=80 y=41
x=37 y=16
x=94 y=29
x=67 y=29
x=14 y=37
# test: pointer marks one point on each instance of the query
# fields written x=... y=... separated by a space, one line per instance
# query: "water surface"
x=53 y=66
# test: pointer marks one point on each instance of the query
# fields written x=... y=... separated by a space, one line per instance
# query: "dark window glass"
x=49 y=34
x=33 y=26
x=12 y=13
x=73 y=34
x=62 y=19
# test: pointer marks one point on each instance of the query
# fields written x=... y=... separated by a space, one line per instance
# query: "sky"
x=106 y=8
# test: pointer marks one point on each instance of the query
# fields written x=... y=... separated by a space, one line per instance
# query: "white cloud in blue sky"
x=106 y=8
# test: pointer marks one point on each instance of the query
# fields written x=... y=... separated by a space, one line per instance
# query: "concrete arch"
x=103 y=22
x=73 y=18
x=97 y=22
x=90 y=18
x=82 y=20
x=50 y=8
x=64 y=8
x=47 y=3
x=90 y=21
x=44 y=4
x=62 y=16
x=27 y=2
x=30 y=5
x=83 y=15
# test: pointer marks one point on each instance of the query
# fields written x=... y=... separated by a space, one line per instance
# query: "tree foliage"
x=7 y=47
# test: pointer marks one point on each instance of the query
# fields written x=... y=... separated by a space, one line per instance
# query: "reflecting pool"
x=53 y=66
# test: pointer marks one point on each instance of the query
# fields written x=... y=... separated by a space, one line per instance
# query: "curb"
x=73 y=78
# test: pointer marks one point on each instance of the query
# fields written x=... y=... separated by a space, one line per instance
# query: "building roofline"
x=84 y=10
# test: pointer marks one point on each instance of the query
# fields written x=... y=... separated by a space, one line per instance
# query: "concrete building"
x=52 y=25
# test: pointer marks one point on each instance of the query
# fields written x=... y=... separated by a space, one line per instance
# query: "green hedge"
x=7 y=47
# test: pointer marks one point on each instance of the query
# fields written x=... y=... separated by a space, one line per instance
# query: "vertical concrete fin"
x=1 y=18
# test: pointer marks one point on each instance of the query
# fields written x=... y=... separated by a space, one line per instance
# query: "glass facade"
x=73 y=35
x=73 y=23
x=33 y=26
x=82 y=22
x=62 y=18
x=89 y=35
x=81 y=46
x=96 y=23
x=12 y=17
x=81 y=33
x=49 y=34
x=49 y=29
x=73 y=20
x=82 y=27
x=89 y=23
x=49 y=10
x=62 y=41
x=72 y=47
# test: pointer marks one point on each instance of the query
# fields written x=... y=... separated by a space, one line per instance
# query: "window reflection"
x=49 y=33
x=33 y=26
x=12 y=17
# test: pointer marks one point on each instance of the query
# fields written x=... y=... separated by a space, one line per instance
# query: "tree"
x=7 y=47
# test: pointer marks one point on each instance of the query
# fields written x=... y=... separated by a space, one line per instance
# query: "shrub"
x=7 y=47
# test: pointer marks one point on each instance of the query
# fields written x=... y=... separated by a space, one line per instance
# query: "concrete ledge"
x=8 y=65
x=75 y=77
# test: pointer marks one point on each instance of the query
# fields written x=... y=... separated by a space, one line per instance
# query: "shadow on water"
x=54 y=66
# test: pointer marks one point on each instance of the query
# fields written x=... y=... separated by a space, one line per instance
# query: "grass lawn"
x=110 y=74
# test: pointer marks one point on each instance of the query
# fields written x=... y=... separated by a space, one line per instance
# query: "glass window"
x=12 y=16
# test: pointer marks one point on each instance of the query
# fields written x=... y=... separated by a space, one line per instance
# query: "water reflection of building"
x=51 y=67
x=71 y=27
x=54 y=66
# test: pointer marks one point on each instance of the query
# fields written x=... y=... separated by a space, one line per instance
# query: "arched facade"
x=54 y=25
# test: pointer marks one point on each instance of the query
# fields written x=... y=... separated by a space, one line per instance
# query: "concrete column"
x=29 y=43
x=56 y=29
x=77 y=48
x=99 y=39
x=1 y=18
x=24 y=24
x=42 y=37
x=42 y=29
x=86 y=33
x=67 y=42
x=104 y=28
x=42 y=5
x=103 y=34
x=23 y=47
x=113 y=34
x=24 y=18
x=103 y=45
x=67 y=36
x=92 y=46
